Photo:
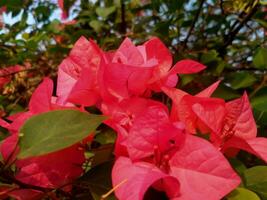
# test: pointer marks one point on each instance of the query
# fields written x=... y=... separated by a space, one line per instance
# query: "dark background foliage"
x=228 y=36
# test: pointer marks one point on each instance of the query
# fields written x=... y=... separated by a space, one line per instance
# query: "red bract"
x=136 y=70
x=77 y=74
x=237 y=130
x=48 y=171
x=184 y=104
x=195 y=171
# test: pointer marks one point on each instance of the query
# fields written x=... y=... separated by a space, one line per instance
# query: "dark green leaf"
x=98 y=180
x=242 y=80
x=256 y=180
x=260 y=99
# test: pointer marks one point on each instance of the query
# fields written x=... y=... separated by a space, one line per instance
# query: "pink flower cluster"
x=154 y=148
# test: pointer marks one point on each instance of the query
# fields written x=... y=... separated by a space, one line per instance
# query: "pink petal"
x=212 y=114
x=136 y=178
x=10 y=70
x=41 y=97
x=26 y=194
x=256 y=146
x=187 y=114
x=8 y=148
x=4 y=124
x=187 y=67
x=163 y=61
x=86 y=54
x=152 y=128
x=202 y=170
x=121 y=117
x=68 y=74
x=209 y=90
x=155 y=49
x=137 y=82
x=240 y=115
x=85 y=91
x=52 y=170
x=176 y=95
x=120 y=79
x=128 y=54
x=19 y=121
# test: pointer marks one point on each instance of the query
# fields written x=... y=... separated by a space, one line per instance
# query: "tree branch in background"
x=193 y=24
x=232 y=34
x=123 y=21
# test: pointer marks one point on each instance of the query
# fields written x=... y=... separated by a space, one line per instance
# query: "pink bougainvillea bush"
x=180 y=150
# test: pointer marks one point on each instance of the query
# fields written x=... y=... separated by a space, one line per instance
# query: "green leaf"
x=107 y=136
x=209 y=56
x=259 y=59
x=96 y=25
x=105 y=12
x=242 y=194
x=256 y=180
x=260 y=99
x=55 y=130
x=225 y=92
x=242 y=80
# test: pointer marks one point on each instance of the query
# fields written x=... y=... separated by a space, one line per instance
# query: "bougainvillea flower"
x=77 y=74
x=135 y=70
x=89 y=76
x=237 y=130
x=48 y=171
x=197 y=170
x=121 y=117
x=183 y=105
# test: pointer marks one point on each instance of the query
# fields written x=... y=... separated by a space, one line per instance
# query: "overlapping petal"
x=202 y=170
x=153 y=129
x=134 y=179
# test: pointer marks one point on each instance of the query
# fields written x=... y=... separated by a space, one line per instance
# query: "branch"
x=231 y=36
x=123 y=21
x=193 y=24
